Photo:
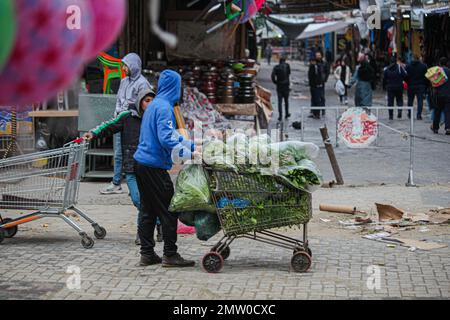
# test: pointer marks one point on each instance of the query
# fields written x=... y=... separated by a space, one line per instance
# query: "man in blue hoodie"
x=160 y=145
x=130 y=86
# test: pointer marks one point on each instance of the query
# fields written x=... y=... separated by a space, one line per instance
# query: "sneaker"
x=435 y=131
x=288 y=116
x=159 y=236
x=137 y=241
x=176 y=261
x=419 y=118
x=149 y=260
x=447 y=133
x=280 y=119
x=112 y=189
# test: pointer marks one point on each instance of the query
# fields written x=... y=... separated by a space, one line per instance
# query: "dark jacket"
x=129 y=124
x=444 y=90
x=316 y=76
x=281 y=75
x=416 y=75
x=394 y=75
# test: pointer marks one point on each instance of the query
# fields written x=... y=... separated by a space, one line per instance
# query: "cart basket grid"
x=249 y=202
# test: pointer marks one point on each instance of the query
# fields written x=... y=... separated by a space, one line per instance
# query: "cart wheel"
x=212 y=262
x=299 y=249
x=225 y=252
x=10 y=232
x=87 y=242
x=100 y=232
x=2 y=235
x=301 y=262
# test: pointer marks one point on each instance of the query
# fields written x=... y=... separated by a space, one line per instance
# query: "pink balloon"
x=108 y=18
x=52 y=39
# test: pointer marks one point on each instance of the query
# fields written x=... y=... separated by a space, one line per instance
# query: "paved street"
x=35 y=264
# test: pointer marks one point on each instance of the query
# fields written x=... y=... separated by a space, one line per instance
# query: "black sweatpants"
x=156 y=189
x=443 y=106
x=283 y=94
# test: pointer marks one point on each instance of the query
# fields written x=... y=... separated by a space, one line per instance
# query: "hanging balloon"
x=259 y=4
x=106 y=23
x=7 y=30
x=52 y=39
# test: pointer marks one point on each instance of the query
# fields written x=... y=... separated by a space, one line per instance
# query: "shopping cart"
x=248 y=206
x=46 y=184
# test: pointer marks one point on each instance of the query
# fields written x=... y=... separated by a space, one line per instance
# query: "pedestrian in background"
x=130 y=86
x=281 y=77
x=417 y=84
x=394 y=75
x=324 y=69
x=316 y=84
x=443 y=100
x=364 y=78
x=268 y=53
x=343 y=74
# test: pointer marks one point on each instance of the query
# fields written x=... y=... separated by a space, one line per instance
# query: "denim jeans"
x=135 y=195
x=117 y=179
x=419 y=93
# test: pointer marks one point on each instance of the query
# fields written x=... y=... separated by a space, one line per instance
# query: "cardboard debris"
x=388 y=213
x=418 y=217
x=442 y=211
x=410 y=243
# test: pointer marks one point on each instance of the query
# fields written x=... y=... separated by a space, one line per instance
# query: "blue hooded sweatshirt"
x=160 y=143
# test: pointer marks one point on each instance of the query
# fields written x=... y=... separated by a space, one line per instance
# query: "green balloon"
x=7 y=30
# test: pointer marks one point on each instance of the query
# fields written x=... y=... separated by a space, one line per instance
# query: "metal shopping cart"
x=46 y=184
x=248 y=206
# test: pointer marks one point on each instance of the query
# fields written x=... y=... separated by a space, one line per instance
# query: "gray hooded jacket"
x=131 y=85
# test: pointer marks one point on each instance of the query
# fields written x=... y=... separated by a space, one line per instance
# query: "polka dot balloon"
x=51 y=44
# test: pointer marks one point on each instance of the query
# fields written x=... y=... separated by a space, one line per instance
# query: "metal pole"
x=410 y=182
x=331 y=155
x=303 y=124
x=378 y=129
x=337 y=125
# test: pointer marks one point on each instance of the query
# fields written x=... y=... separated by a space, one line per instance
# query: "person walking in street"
x=324 y=69
x=443 y=100
x=417 y=84
x=160 y=145
x=130 y=86
x=268 y=53
x=281 y=77
x=128 y=124
x=318 y=74
x=364 y=78
x=394 y=75
x=343 y=74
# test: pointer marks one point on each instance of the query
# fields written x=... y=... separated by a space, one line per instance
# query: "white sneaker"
x=112 y=189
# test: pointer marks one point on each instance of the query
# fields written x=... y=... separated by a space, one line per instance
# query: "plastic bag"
x=289 y=153
x=340 y=88
x=207 y=225
x=184 y=229
x=192 y=191
x=305 y=175
x=188 y=218
x=259 y=151
x=437 y=76
x=237 y=147
x=215 y=155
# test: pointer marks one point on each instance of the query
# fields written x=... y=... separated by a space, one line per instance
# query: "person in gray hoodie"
x=130 y=87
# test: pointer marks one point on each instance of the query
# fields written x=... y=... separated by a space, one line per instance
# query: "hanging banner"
x=357 y=128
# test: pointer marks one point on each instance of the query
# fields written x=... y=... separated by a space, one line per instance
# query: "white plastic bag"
x=340 y=88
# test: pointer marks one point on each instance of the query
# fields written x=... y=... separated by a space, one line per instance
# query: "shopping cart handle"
x=76 y=141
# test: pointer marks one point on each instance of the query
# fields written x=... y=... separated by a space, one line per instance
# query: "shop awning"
x=318 y=29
